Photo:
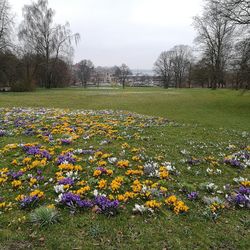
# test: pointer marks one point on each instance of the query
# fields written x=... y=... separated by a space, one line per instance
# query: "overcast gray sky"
x=129 y=31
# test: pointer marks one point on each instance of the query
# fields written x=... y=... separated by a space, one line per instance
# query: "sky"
x=134 y=32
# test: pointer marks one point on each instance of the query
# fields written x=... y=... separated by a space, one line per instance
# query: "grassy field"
x=206 y=126
x=221 y=108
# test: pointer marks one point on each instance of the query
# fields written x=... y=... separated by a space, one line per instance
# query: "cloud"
x=130 y=31
x=164 y=13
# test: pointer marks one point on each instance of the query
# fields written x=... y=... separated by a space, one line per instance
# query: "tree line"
x=44 y=50
x=223 y=47
x=40 y=53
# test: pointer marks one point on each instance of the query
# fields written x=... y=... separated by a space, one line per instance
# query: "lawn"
x=187 y=168
x=220 y=108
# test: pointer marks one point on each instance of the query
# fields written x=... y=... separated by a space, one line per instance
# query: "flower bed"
x=91 y=160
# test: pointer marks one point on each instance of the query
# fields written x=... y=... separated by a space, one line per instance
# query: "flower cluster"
x=106 y=206
x=36 y=150
x=176 y=205
x=97 y=161
x=73 y=201
x=239 y=159
x=241 y=197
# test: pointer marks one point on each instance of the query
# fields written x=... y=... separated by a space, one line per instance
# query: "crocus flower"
x=192 y=196
x=66 y=181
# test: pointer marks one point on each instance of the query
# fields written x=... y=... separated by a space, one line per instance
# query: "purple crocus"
x=19 y=122
x=66 y=181
x=29 y=201
x=87 y=152
x=74 y=201
x=39 y=172
x=66 y=158
x=40 y=178
x=35 y=150
x=241 y=197
x=2 y=133
x=105 y=205
x=192 y=196
x=233 y=163
x=238 y=159
x=70 y=199
x=244 y=190
x=45 y=154
x=85 y=204
x=16 y=175
x=66 y=141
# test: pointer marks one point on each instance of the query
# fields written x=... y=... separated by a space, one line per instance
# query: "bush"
x=21 y=86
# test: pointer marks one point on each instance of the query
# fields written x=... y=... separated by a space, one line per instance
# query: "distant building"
x=105 y=76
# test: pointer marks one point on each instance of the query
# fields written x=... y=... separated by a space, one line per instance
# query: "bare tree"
x=215 y=35
x=182 y=56
x=241 y=64
x=237 y=11
x=174 y=65
x=163 y=67
x=84 y=70
x=42 y=37
x=6 y=25
x=122 y=73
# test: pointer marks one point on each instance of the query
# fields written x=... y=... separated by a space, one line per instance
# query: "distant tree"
x=14 y=72
x=237 y=11
x=163 y=67
x=200 y=73
x=8 y=64
x=122 y=73
x=215 y=35
x=99 y=74
x=174 y=66
x=241 y=64
x=6 y=25
x=84 y=70
x=181 y=62
x=61 y=74
x=42 y=37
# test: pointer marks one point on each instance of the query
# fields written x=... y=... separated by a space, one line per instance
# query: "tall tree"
x=84 y=70
x=241 y=64
x=200 y=73
x=44 y=38
x=182 y=57
x=6 y=25
x=237 y=11
x=163 y=67
x=122 y=73
x=215 y=35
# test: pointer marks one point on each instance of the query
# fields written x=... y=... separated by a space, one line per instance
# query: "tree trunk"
x=47 y=80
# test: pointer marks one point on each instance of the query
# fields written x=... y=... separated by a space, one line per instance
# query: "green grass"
x=220 y=108
x=206 y=122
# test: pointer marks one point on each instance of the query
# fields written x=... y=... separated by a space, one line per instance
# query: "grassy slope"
x=221 y=108
x=216 y=109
